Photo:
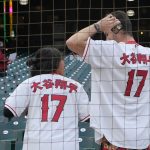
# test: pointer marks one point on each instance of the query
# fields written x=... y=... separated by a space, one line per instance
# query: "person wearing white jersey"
x=54 y=104
x=120 y=92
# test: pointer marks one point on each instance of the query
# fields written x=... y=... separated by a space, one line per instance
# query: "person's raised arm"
x=77 y=42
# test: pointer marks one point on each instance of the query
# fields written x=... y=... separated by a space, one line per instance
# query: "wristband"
x=97 y=28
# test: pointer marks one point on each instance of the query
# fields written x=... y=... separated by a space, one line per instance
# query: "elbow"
x=70 y=44
x=75 y=45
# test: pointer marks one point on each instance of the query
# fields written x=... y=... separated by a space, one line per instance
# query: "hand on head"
x=107 y=23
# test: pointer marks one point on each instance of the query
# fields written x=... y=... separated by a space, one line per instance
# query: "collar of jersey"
x=131 y=42
x=54 y=73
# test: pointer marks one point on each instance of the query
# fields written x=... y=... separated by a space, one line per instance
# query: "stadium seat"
x=9 y=139
x=89 y=132
x=7 y=135
x=86 y=142
x=2 y=80
x=1 y=104
x=84 y=124
x=8 y=88
x=67 y=59
x=5 y=145
x=2 y=91
x=17 y=124
x=18 y=145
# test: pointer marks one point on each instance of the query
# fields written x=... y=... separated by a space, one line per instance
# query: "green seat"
x=2 y=82
x=5 y=145
x=85 y=130
x=17 y=124
x=8 y=88
x=18 y=145
x=84 y=124
x=86 y=142
x=12 y=131
x=2 y=91
x=7 y=135
x=18 y=127
x=88 y=132
x=8 y=139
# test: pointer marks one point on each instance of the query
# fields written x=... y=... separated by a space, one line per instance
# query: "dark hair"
x=45 y=61
x=125 y=21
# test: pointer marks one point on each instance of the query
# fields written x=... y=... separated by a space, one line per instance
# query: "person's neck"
x=126 y=38
x=59 y=72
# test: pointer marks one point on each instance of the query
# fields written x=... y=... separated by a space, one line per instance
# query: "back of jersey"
x=120 y=99
x=125 y=95
x=54 y=105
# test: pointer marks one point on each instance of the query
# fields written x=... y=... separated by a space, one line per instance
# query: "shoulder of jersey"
x=30 y=79
x=71 y=80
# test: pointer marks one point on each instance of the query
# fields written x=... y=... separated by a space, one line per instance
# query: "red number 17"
x=62 y=100
x=142 y=73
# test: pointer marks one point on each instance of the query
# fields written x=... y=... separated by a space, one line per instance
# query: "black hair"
x=45 y=61
x=125 y=21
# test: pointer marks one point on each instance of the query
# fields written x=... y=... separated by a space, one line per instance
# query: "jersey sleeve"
x=96 y=49
x=83 y=104
x=18 y=101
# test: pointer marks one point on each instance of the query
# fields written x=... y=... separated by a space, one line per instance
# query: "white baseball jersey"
x=120 y=94
x=54 y=104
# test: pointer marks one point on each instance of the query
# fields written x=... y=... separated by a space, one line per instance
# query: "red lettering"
x=129 y=83
x=72 y=87
x=45 y=107
x=125 y=59
x=36 y=86
x=48 y=83
x=62 y=100
x=61 y=83
x=142 y=58
x=133 y=58
x=142 y=73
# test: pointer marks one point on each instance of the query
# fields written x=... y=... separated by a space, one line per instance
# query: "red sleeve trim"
x=12 y=110
x=86 y=48
x=86 y=118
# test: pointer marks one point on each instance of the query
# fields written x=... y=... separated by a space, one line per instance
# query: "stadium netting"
x=25 y=28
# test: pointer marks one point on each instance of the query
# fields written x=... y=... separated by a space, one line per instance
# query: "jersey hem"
x=122 y=146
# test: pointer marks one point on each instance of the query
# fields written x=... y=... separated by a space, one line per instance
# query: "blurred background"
x=29 y=24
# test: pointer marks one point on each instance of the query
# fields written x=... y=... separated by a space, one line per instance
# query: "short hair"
x=45 y=61
x=125 y=21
